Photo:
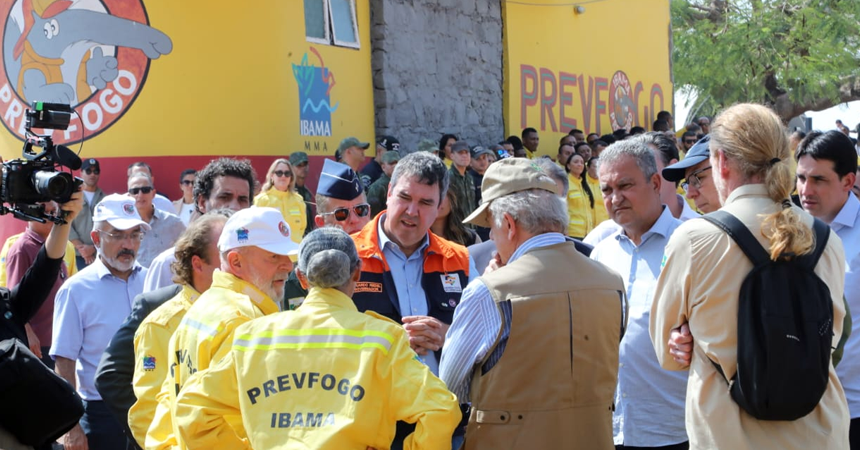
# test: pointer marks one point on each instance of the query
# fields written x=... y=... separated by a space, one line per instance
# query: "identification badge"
x=451 y=283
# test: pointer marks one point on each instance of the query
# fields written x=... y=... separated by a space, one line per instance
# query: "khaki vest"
x=554 y=385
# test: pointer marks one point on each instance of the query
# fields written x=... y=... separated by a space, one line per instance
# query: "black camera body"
x=35 y=178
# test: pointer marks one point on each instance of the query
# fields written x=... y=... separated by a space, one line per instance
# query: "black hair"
x=832 y=146
x=526 y=132
x=443 y=141
x=689 y=134
x=575 y=130
x=516 y=142
x=666 y=146
x=637 y=130
x=620 y=133
x=185 y=173
x=222 y=167
x=664 y=115
x=582 y=177
x=660 y=125
x=425 y=168
x=608 y=139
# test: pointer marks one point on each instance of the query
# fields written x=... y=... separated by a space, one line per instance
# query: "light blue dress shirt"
x=476 y=325
x=649 y=401
x=88 y=310
x=846 y=225
x=406 y=273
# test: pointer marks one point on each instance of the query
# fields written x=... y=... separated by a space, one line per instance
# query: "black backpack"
x=785 y=328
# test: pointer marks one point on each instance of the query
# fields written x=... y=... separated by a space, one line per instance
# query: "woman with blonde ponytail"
x=700 y=283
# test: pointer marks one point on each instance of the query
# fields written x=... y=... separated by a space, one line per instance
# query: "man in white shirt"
x=631 y=190
x=826 y=172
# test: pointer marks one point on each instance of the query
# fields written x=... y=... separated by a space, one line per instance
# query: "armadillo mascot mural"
x=90 y=54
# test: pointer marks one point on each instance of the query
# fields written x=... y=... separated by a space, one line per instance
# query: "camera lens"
x=56 y=185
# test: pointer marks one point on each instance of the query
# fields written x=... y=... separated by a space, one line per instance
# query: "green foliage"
x=757 y=50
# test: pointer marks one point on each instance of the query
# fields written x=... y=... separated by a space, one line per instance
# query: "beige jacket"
x=554 y=385
x=700 y=283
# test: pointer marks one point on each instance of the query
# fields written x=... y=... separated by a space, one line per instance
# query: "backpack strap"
x=741 y=235
x=822 y=235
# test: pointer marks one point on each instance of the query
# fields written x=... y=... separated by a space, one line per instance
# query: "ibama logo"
x=91 y=54
x=315 y=83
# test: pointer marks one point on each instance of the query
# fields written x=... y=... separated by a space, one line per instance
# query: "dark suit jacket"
x=116 y=369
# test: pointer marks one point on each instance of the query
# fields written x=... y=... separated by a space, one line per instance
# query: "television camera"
x=35 y=177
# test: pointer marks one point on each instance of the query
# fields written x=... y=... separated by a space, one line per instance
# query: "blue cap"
x=338 y=181
x=697 y=153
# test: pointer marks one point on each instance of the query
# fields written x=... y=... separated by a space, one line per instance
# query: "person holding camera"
x=20 y=304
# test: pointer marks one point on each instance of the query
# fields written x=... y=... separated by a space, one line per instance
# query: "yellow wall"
x=562 y=67
x=227 y=87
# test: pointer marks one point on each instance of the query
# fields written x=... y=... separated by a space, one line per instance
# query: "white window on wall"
x=331 y=22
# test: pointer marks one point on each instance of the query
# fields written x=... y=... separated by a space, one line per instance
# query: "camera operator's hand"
x=55 y=245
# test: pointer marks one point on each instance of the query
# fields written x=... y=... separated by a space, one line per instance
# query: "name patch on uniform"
x=368 y=286
x=148 y=363
x=451 y=283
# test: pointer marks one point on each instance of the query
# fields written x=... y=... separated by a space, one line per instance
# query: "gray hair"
x=425 y=168
x=635 y=148
x=555 y=172
x=327 y=257
x=537 y=211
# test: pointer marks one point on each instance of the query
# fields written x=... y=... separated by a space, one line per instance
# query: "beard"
x=118 y=264
x=267 y=286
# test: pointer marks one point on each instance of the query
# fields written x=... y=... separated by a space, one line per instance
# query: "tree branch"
x=849 y=90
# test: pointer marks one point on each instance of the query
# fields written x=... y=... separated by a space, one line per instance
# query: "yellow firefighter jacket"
x=324 y=377
x=151 y=342
x=203 y=337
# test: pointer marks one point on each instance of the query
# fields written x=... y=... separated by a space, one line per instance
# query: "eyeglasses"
x=92 y=171
x=119 y=237
x=341 y=214
x=188 y=182
x=138 y=190
x=689 y=141
x=281 y=173
x=694 y=180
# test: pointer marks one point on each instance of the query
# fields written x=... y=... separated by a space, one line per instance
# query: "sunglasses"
x=188 y=182
x=138 y=190
x=689 y=141
x=92 y=171
x=281 y=173
x=341 y=214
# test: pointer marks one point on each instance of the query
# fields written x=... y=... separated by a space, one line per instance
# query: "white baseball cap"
x=258 y=227
x=119 y=211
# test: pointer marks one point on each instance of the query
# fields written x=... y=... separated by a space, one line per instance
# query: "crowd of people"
x=448 y=296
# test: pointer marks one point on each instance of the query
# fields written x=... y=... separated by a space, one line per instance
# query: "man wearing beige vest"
x=534 y=344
